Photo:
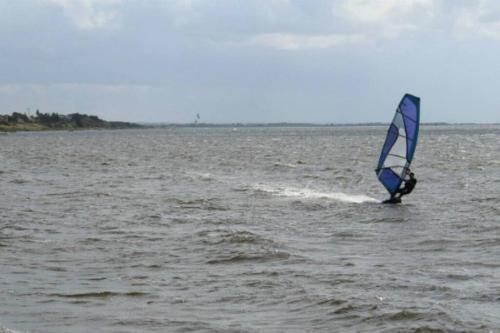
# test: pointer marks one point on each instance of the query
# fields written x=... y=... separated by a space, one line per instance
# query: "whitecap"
x=312 y=194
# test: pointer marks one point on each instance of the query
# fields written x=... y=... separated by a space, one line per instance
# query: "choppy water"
x=247 y=230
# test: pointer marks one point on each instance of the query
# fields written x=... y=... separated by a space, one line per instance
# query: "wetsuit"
x=409 y=186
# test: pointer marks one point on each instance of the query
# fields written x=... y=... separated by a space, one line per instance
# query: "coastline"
x=17 y=122
x=41 y=128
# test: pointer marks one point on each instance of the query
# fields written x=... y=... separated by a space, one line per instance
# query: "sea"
x=247 y=229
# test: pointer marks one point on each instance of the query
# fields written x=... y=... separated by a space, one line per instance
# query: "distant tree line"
x=59 y=121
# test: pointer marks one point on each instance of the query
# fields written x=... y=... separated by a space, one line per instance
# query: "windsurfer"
x=410 y=182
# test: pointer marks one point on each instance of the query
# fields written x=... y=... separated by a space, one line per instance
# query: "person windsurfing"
x=399 y=149
x=410 y=182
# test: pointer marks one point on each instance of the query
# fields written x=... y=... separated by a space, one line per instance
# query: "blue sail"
x=400 y=143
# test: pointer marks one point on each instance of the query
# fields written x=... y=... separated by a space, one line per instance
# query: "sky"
x=251 y=61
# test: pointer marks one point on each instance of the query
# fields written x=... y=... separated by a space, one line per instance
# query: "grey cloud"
x=249 y=60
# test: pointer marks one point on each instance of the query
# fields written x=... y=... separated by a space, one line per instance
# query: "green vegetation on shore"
x=54 y=121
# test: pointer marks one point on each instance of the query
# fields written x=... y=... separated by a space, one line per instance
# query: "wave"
x=285 y=165
x=101 y=294
x=312 y=194
x=250 y=257
x=203 y=176
x=214 y=237
x=230 y=246
x=4 y=329
x=203 y=203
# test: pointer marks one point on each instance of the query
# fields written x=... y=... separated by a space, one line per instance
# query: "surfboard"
x=400 y=143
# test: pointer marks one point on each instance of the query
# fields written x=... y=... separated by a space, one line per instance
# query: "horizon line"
x=301 y=124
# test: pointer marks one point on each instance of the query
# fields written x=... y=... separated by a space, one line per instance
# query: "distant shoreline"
x=243 y=125
x=53 y=121
x=18 y=122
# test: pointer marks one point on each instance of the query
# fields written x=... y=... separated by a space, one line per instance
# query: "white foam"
x=312 y=194
x=6 y=330
x=288 y=165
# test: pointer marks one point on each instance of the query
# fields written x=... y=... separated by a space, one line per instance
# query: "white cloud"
x=285 y=24
x=381 y=11
x=388 y=18
x=393 y=18
x=482 y=19
x=88 y=14
x=296 y=42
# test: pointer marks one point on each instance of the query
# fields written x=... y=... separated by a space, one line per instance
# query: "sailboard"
x=400 y=143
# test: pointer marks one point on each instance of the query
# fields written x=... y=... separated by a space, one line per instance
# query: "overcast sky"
x=324 y=61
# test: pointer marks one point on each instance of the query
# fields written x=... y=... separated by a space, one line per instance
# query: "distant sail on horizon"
x=400 y=143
